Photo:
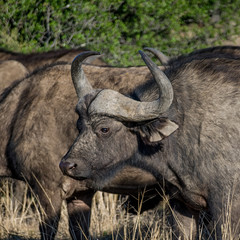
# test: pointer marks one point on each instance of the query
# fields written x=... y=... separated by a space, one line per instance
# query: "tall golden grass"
x=19 y=220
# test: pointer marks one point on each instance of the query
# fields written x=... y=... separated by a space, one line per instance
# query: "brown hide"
x=11 y=71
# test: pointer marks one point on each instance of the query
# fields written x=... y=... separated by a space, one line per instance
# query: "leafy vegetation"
x=117 y=28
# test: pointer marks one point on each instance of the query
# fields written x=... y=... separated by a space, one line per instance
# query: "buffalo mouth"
x=70 y=169
x=78 y=177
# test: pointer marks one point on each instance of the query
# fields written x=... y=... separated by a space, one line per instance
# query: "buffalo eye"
x=104 y=130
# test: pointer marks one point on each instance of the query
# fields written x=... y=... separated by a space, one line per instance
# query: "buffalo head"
x=113 y=128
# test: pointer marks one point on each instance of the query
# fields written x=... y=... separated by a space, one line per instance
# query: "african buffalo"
x=37 y=126
x=33 y=121
x=183 y=127
x=14 y=66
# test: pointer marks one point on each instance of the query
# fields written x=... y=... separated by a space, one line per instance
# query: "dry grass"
x=19 y=220
x=111 y=221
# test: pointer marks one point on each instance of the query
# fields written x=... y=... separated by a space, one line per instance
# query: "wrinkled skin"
x=197 y=165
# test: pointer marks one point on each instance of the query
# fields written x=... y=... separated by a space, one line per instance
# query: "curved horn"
x=160 y=56
x=164 y=84
x=81 y=84
x=112 y=103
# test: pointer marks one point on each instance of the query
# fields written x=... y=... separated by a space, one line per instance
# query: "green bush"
x=117 y=28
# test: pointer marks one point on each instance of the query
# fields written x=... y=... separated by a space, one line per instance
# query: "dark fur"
x=199 y=165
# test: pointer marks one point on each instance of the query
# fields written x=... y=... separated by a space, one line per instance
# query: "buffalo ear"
x=157 y=130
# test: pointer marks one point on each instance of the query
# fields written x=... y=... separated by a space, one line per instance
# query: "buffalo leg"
x=184 y=221
x=50 y=208
x=79 y=211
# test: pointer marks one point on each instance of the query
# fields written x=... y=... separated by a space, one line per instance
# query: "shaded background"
x=117 y=28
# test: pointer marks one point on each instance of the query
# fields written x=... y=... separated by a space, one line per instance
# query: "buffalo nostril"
x=67 y=166
x=72 y=166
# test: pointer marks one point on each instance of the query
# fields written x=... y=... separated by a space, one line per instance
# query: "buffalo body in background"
x=33 y=61
x=11 y=71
